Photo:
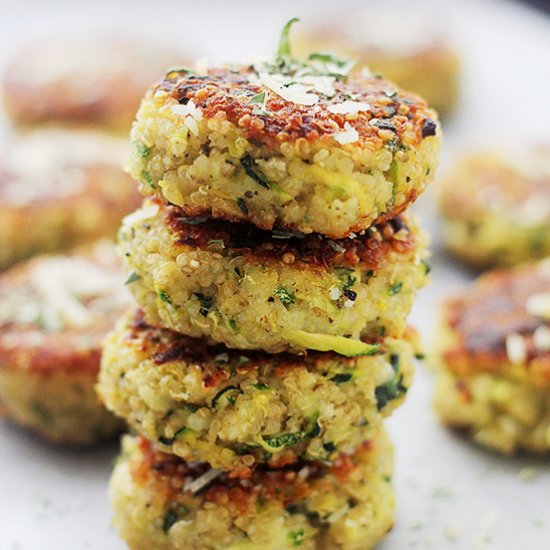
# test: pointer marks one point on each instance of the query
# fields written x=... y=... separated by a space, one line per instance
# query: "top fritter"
x=301 y=146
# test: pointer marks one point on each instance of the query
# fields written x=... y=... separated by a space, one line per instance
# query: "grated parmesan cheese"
x=349 y=135
x=288 y=89
x=349 y=107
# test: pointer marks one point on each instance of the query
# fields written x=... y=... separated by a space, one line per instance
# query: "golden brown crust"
x=30 y=344
x=164 y=345
x=282 y=484
x=367 y=250
x=393 y=114
x=482 y=319
x=80 y=81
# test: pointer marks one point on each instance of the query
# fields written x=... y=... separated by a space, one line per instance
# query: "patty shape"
x=61 y=188
x=251 y=289
x=290 y=146
x=234 y=409
x=81 y=81
x=54 y=313
x=163 y=503
x=496 y=207
x=494 y=360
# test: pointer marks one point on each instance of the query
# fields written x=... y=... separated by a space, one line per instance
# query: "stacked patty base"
x=274 y=225
x=163 y=502
x=505 y=413
x=237 y=410
x=493 y=367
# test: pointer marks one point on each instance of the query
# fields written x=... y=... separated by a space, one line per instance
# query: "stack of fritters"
x=274 y=268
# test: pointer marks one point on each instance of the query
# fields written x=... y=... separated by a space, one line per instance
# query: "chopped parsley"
x=232 y=325
x=142 y=149
x=132 y=278
x=165 y=297
x=148 y=179
x=173 y=514
x=205 y=303
x=297 y=537
x=261 y=386
x=284 y=44
x=340 y=378
x=395 y=288
x=389 y=391
x=231 y=397
x=287 y=297
x=252 y=171
x=346 y=276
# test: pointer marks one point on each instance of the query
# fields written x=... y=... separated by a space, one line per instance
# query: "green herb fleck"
x=172 y=515
x=132 y=278
x=165 y=297
x=205 y=302
x=426 y=265
x=297 y=537
x=389 y=391
x=230 y=398
x=232 y=325
x=395 y=288
x=341 y=378
x=145 y=176
x=346 y=276
x=242 y=205
x=287 y=297
x=252 y=171
x=284 y=440
x=142 y=149
x=261 y=386
x=180 y=432
x=284 y=43
x=329 y=447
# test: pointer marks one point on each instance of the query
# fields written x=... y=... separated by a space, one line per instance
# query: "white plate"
x=450 y=494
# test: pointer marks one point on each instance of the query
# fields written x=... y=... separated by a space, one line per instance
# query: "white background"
x=451 y=495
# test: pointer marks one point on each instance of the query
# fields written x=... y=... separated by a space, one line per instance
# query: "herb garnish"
x=132 y=278
x=165 y=297
x=249 y=165
x=205 y=302
x=287 y=297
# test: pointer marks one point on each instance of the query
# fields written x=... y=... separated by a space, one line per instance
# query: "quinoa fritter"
x=404 y=50
x=277 y=291
x=306 y=147
x=496 y=207
x=164 y=503
x=59 y=189
x=237 y=409
x=54 y=312
x=494 y=361
x=81 y=81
